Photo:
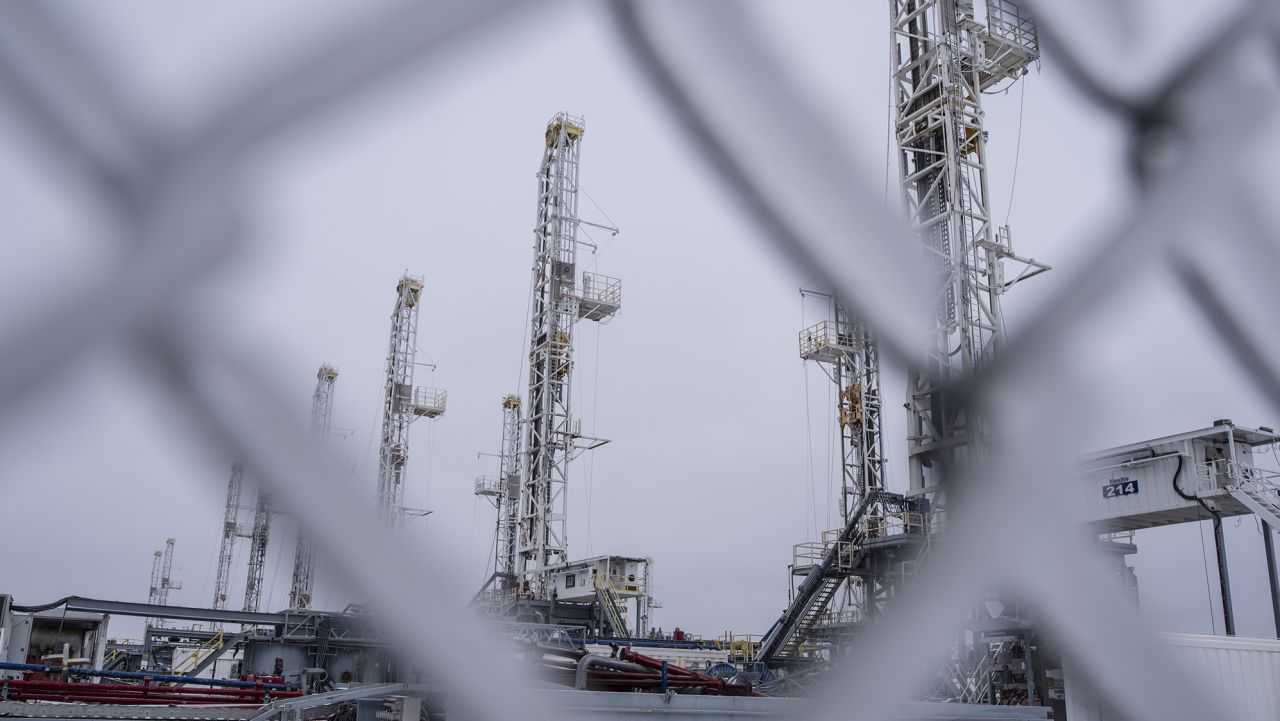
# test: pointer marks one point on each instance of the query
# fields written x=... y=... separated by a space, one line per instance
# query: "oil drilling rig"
x=259 y=530
x=304 y=564
x=259 y=534
x=503 y=490
x=162 y=580
x=534 y=577
x=945 y=55
x=403 y=403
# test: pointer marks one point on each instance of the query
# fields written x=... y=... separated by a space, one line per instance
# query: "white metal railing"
x=893 y=524
x=1224 y=474
x=488 y=486
x=601 y=289
x=428 y=401
x=811 y=553
x=828 y=335
x=1011 y=22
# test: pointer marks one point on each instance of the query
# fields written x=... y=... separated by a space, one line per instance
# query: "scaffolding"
x=551 y=435
x=402 y=403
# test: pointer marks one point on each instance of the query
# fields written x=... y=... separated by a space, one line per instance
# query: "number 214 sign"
x=1119 y=487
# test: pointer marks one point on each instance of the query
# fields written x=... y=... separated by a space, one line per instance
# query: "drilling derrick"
x=503 y=491
x=944 y=59
x=304 y=565
x=402 y=403
x=551 y=436
x=846 y=577
x=258 y=539
x=508 y=513
x=847 y=352
x=162 y=580
x=230 y=531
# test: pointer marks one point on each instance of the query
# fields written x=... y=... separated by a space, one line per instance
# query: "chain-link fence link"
x=1198 y=122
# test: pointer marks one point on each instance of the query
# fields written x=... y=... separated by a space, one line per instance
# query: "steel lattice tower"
x=509 y=478
x=551 y=434
x=162 y=579
x=230 y=531
x=304 y=565
x=402 y=402
x=503 y=491
x=848 y=353
x=259 y=537
x=943 y=61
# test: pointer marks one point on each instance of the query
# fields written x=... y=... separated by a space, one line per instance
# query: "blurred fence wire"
x=175 y=217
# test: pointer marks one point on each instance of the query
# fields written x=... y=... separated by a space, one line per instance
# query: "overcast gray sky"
x=715 y=421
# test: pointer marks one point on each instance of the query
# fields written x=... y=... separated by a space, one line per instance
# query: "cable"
x=595 y=422
x=1208 y=588
x=1017 y=153
x=808 y=437
x=583 y=188
x=1204 y=558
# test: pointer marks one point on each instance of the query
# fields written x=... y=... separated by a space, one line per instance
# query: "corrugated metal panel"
x=1244 y=671
x=1153 y=483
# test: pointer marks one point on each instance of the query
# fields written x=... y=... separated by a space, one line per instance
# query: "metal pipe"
x=134 y=689
x=39 y=668
x=1269 y=543
x=586 y=662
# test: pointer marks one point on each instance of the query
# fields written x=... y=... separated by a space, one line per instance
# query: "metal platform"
x=601 y=296
x=828 y=341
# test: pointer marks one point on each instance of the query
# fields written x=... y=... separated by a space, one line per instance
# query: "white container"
x=1241 y=675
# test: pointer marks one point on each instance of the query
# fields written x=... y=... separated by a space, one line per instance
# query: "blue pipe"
x=7 y=666
x=649 y=643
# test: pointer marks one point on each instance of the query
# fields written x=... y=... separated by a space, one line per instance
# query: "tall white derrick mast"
x=503 y=491
x=402 y=402
x=162 y=580
x=304 y=565
x=847 y=350
x=509 y=477
x=944 y=58
x=230 y=531
x=259 y=537
x=551 y=436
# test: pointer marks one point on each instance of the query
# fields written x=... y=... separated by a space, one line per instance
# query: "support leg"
x=1269 y=543
x=1228 y=616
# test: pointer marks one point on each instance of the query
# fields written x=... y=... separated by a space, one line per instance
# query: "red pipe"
x=30 y=683
x=26 y=689
x=117 y=701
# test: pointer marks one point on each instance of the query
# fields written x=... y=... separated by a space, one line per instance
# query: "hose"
x=1217 y=517
x=586 y=662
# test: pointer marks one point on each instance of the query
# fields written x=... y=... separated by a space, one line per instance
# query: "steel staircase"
x=789 y=632
x=190 y=663
x=608 y=602
x=1257 y=492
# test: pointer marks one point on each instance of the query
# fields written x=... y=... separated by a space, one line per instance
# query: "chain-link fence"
x=1197 y=153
